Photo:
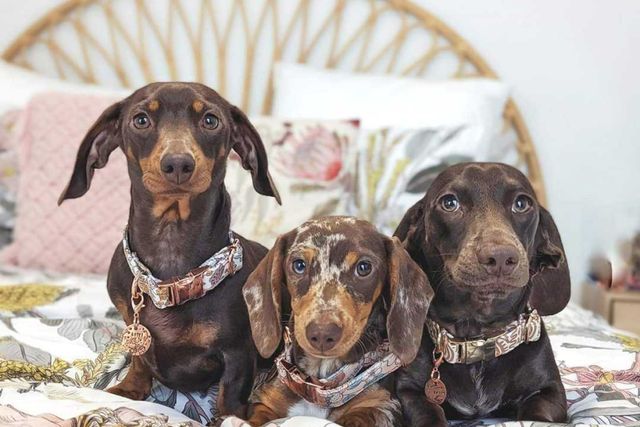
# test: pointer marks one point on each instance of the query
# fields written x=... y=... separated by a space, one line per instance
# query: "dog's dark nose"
x=177 y=168
x=323 y=336
x=498 y=260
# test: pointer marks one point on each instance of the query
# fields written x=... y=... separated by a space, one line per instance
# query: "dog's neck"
x=465 y=316
x=172 y=237
x=372 y=336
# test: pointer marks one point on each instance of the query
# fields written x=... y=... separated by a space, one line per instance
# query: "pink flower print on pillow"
x=311 y=152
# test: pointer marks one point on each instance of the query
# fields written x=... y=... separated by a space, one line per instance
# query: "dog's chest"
x=182 y=326
x=304 y=408
x=320 y=368
x=476 y=396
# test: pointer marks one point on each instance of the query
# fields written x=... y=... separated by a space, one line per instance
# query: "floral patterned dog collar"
x=521 y=331
x=343 y=385
x=195 y=284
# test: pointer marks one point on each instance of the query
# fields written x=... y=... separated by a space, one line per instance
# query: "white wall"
x=575 y=70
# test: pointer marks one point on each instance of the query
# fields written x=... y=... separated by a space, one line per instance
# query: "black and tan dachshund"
x=177 y=138
x=495 y=260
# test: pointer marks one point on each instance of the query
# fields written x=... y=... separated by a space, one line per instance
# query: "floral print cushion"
x=311 y=163
x=396 y=166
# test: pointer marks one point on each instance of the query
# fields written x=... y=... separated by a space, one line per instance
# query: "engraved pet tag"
x=436 y=391
x=136 y=339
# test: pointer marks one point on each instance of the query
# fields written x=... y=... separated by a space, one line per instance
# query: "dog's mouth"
x=334 y=353
x=471 y=277
x=160 y=187
x=321 y=355
x=493 y=290
x=494 y=287
x=344 y=352
x=499 y=284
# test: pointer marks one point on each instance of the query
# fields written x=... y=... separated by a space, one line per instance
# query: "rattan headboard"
x=231 y=45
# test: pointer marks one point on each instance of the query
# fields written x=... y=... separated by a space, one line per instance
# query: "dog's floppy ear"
x=410 y=295
x=247 y=143
x=551 y=284
x=410 y=231
x=101 y=139
x=262 y=293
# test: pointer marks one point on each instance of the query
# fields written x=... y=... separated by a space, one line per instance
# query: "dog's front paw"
x=129 y=393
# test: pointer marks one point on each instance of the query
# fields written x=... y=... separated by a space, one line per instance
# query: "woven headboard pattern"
x=232 y=45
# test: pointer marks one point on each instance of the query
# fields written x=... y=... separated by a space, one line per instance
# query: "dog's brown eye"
x=521 y=204
x=210 y=121
x=363 y=268
x=449 y=203
x=299 y=266
x=141 y=121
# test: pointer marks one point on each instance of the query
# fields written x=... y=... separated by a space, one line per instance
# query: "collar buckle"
x=187 y=288
x=473 y=351
x=525 y=329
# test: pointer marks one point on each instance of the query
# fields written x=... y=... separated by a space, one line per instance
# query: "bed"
x=59 y=345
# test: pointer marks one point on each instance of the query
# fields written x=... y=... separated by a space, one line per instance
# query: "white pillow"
x=388 y=101
x=18 y=85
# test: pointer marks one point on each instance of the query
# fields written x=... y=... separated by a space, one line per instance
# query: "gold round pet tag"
x=436 y=391
x=136 y=339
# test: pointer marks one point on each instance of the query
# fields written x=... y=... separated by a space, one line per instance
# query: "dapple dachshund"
x=177 y=138
x=496 y=263
x=350 y=288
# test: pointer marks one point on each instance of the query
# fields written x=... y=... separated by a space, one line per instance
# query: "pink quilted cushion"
x=80 y=235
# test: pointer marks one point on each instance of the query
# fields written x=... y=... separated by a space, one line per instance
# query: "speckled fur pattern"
x=388 y=303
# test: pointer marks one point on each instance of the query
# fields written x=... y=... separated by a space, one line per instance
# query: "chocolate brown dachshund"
x=495 y=260
x=176 y=138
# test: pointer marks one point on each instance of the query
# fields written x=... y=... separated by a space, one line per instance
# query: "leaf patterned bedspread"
x=59 y=349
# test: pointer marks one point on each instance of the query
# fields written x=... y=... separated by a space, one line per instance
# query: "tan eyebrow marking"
x=511 y=181
x=198 y=106
x=309 y=253
x=351 y=258
x=154 y=105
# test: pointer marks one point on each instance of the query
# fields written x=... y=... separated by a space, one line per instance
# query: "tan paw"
x=129 y=393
